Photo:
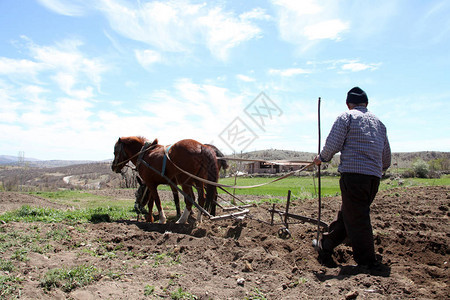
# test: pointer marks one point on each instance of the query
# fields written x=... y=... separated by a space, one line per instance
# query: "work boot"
x=325 y=256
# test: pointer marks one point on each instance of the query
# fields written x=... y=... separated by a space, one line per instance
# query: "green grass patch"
x=179 y=294
x=389 y=183
x=9 y=286
x=256 y=295
x=6 y=265
x=300 y=186
x=20 y=243
x=82 y=199
x=169 y=259
x=149 y=290
x=63 y=195
x=444 y=180
x=49 y=215
x=20 y=254
x=307 y=187
x=59 y=235
x=69 y=279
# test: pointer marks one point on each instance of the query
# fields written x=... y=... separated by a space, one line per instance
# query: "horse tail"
x=221 y=162
x=212 y=175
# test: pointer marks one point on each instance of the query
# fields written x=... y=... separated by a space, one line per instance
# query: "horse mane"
x=140 y=139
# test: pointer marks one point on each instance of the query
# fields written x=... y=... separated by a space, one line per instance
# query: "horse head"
x=127 y=148
x=120 y=157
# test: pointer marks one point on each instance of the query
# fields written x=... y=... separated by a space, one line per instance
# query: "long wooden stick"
x=318 y=174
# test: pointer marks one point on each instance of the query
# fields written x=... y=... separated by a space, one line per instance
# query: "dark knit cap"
x=357 y=95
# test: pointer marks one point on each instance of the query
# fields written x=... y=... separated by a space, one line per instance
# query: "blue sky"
x=76 y=75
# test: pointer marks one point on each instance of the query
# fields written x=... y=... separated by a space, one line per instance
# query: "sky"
x=76 y=75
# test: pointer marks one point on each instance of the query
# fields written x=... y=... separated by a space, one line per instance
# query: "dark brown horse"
x=154 y=168
x=142 y=193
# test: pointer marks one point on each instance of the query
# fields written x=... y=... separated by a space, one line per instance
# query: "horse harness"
x=148 y=146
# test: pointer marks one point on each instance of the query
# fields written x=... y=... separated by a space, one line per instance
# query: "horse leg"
x=200 y=200
x=187 y=210
x=149 y=217
x=176 y=199
x=154 y=198
x=162 y=216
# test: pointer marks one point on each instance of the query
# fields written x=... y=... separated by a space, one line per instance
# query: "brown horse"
x=142 y=193
x=154 y=168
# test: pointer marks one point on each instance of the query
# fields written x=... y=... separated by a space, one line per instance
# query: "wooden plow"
x=285 y=215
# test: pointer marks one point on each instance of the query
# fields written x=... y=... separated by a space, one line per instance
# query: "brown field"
x=232 y=259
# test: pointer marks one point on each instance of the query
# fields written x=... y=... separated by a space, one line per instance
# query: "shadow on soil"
x=188 y=229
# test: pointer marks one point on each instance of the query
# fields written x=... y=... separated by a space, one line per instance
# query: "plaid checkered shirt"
x=362 y=140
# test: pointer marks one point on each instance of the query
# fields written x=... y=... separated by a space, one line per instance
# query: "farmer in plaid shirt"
x=365 y=154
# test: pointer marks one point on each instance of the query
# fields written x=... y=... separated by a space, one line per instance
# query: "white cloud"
x=173 y=26
x=223 y=31
x=356 y=66
x=289 y=72
x=303 y=23
x=55 y=102
x=330 y=29
x=8 y=111
x=147 y=57
x=33 y=93
x=245 y=78
x=9 y=66
x=179 y=25
x=65 y=7
x=256 y=14
x=305 y=7
x=69 y=66
x=352 y=65
x=66 y=59
x=191 y=110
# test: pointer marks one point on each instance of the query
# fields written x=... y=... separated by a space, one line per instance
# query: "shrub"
x=407 y=174
x=421 y=168
x=69 y=279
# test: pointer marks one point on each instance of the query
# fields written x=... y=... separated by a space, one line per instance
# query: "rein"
x=234 y=186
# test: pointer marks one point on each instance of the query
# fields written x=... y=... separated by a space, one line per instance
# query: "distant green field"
x=308 y=186
x=301 y=187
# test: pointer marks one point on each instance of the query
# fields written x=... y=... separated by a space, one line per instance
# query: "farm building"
x=273 y=167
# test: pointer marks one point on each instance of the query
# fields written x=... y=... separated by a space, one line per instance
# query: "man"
x=365 y=154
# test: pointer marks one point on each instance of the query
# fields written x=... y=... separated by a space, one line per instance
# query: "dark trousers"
x=353 y=219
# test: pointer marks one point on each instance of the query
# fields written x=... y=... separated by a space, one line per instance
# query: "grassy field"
x=94 y=208
x=304 y=187
x=80 y=199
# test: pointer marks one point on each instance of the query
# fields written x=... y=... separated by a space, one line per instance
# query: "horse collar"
x=147 y=146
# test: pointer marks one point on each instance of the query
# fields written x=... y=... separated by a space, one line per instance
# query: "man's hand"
x=317 y=160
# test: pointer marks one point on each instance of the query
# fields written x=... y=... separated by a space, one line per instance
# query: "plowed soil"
x=241 y=259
